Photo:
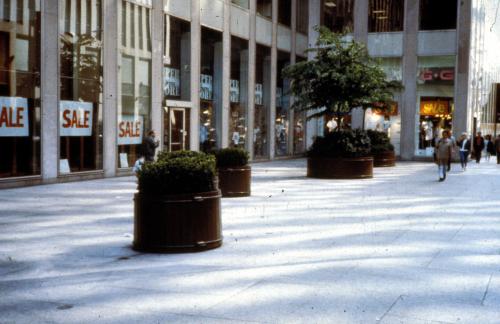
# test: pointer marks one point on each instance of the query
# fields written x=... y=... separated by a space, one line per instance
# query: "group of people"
x=447 y=145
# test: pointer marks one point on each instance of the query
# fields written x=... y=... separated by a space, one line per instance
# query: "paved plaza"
x=399 y=248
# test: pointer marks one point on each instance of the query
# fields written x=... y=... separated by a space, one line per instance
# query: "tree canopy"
x=341 y=77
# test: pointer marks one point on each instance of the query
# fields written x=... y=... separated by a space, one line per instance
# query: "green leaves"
x=343 y=143
x=342 y=77
x=231 y=157
x=380 y=141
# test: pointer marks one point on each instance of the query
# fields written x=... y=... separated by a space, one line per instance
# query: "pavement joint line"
x=456 y=233
x=250 y=286
x=486 y=291
x=427 y=265
x=400 y=297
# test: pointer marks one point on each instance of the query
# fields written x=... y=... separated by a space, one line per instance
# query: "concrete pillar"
x=226 y=75
x=293 y=42
x=195 y=75
x=313 y=127
x=360 y=35
x=50 y=90
x=462 y=116
x=409 y=100
x=110 y=86
x=157 y=28
x=274 y=64
x=252 y=52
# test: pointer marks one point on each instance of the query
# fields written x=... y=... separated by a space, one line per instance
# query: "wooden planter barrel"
x=340 y=168
x=177 y=223
x=384 y=159
x=235 y=181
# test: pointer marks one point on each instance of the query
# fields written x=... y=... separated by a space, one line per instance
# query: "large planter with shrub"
x=382 y=149
x=343 y=154
x=177 y=207
x=234 y=173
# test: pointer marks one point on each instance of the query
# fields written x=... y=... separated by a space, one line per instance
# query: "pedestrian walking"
x=463 y=144
x=149 y=146
x=453 y=149
x=478 y=146
x=497 y=148
x=489 y=147
x=443 y=154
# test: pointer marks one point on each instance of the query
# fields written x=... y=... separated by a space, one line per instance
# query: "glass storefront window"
x=134 y=110
x=435 y=91
x=241 y=3
x=210 y=89
x=299 y=125
x=20 y=110
x=302 y=16
x=177 y=59
x=262 y=101
x=285 y=12
x=338 y=15
x=238 y=93
x=438 y=15
x=385 y=16
x=282 y=119
x=80 y=106
x=265 y=8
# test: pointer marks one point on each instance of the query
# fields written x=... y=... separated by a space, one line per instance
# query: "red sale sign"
x=75 y=118
x=14 y=120
x=130 y=129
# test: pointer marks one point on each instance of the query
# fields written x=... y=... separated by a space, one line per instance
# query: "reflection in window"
x=80 y=107
x=210 y=88
x=436 y=15
x=285 y=12
x=134 y=110
x=302 y=16
x=282 y=106
x=238 y=93
x=177 y=59
x=338 y=15
x=262 y=101
x=241 y=3
x=265 y=8
x=385 y=16
x=299 y=125
x=20 y=88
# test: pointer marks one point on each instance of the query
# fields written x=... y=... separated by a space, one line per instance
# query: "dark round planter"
x=340 y=168
x=384 y=159
x=235 y=181
x=177 y=223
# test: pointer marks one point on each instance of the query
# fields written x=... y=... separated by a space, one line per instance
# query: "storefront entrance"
x=176 y=132
x=435 y=116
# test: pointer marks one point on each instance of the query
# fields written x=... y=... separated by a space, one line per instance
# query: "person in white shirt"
x=464 y=149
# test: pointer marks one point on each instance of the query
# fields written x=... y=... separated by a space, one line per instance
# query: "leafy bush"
x=178 y=173
x=231 y=157
x=343 y=143
x=380 y=142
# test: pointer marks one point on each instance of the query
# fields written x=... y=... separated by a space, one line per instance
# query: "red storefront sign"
x=437 y=75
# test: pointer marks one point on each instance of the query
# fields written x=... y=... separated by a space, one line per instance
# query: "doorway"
x=176 y=123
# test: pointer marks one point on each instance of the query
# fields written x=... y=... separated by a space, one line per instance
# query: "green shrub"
x=343 y=143
x=231 y=157
x=380 y=142
x=178 y=173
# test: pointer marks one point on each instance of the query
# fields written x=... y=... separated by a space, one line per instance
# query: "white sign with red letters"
x=75 y=118
x=130 y=129
x=14 y=120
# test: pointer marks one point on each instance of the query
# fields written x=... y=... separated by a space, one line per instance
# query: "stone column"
x=195 y=75
x=110 y=86
x=274 y=64
x=226 y=74
x=313 y=127
x=360 y=35
x=50 y=90
x=157 y=27
x=293 y=42
x=462 y=116
x=252 y=52
x=409 y=95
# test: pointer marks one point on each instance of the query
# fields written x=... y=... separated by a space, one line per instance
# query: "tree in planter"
x=381 y=149
x=234 y=172
x=340 y=78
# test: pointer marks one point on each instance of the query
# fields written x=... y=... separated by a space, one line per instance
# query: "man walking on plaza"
x=497 y=148
x=443 y=154
x=149 y=146
x=478 y=146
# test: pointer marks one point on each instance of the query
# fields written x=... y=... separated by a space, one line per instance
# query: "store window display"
x=20 y=106
x=238 y=93
x=282 y=120
x=299 y=124
x=80 y=105
x=338 y=15
x=262 y=102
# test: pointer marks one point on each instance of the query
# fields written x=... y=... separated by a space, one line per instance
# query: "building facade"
x=82 y=81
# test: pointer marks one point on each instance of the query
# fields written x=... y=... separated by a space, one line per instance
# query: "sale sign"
x=130 y=129
x=14 y=120
x=75 y=118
